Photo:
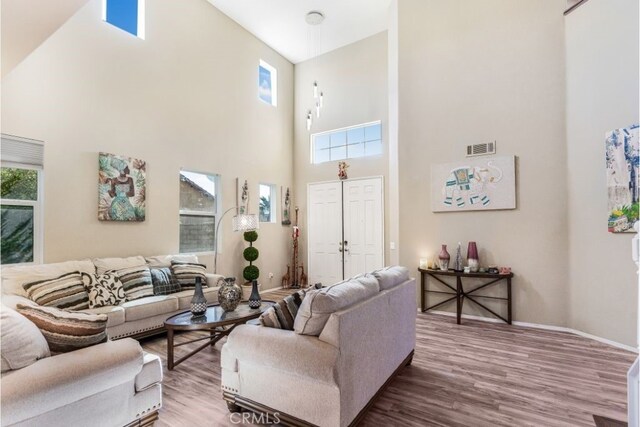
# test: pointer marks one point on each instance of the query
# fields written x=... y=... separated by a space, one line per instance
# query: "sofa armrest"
x=305 y=355
x=66 y=378
x=213 y=279
x=151 y=373
x=12 y=301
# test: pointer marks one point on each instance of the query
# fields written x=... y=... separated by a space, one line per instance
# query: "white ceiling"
x=281 y=24
x=27 y=23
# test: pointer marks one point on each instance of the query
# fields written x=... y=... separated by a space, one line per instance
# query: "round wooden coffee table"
x=215 y=321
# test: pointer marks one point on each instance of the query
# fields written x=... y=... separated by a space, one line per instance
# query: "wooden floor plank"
x=475 y=374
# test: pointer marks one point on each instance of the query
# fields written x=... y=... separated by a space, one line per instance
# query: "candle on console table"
x=424 y=263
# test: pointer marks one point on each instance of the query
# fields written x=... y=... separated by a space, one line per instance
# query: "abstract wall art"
x=121 y=188
x=474 y=185
x=622 y=159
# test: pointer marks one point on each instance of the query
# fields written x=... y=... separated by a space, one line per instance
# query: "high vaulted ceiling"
x=281 y=23
x=26 y=24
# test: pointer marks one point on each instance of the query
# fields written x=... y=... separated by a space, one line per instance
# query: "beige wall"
x=354 y=81
x=184 y=97
x=602 y=95
x=472 y=72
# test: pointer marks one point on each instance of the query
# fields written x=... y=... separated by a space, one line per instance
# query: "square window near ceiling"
x=338 y=139
x=355 y=135
x=128 y=15
x=267 y=203
x=355 y=150
x=372 y=133
x=267 y=83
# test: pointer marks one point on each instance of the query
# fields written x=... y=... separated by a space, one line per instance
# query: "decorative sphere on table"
x=229 y=294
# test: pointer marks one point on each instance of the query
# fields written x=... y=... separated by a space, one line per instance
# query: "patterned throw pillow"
x=163 y=282
x=186 y=273
x=104 y=289
x=67 y=330
x=66 y=291
x=136 y=282
x=283 y=313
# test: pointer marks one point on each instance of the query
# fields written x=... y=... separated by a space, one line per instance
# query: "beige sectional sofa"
x=349 y=340
x=137 y=318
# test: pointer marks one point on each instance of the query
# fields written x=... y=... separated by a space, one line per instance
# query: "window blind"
x=26 y=151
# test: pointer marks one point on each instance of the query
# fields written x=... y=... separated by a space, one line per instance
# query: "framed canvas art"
x=622 y=160
x=474 y=185
x=121 y=188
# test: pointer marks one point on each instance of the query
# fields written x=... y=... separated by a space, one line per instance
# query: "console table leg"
x=509 y=300
x=458 y=299
x=423 y=280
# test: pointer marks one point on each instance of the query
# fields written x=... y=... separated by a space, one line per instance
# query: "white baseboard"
x=540 y=326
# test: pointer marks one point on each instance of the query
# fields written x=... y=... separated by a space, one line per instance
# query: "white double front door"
x=346 y=229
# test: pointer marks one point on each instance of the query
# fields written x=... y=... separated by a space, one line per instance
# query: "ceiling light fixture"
x=314 y=18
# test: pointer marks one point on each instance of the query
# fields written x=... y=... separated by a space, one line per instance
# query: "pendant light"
x=314 y=18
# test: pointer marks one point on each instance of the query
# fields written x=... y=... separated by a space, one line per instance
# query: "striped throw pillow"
x=187 y=272
x=66 y=330
x=66 y=292
x=283 y=314
x=136 y=282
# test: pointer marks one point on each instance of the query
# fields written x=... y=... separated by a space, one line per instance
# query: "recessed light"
x=314 y=17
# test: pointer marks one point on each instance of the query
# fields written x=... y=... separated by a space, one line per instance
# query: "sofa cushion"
x=22 y=341
x=66 y=292
x=67 y=330
x=187 y=273
x=161 y=261
x=106 y=264
x=184 y=297
x=319 y=304
x=149 y=306
x=164 y=283
x=115 y=314
x=136 y=282
x=104 y=289
x=391 y=276
x=13 y=277
x=283 y=314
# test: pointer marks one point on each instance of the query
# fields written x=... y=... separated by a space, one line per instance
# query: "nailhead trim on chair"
x=158 y=406
x=229 y=389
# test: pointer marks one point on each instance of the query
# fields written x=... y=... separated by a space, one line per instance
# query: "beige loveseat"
x=362 y=332
x=109 y=384
x=136 y=318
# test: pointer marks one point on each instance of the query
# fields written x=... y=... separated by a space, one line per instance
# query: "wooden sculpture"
x=286 y=279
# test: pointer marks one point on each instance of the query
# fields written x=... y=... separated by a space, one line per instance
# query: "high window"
x=198 y=211
x=267 y=203
x=21 y=200
x=128 y=15
x=268 y=83
x=347 y=143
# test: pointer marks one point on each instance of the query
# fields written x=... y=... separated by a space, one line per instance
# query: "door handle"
x=339 y=246
x=345 y=246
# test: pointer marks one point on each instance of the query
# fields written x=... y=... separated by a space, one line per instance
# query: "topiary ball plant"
x=251 y=254
x=251 y=272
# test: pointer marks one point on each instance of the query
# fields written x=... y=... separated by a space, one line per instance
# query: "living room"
x=152 y=149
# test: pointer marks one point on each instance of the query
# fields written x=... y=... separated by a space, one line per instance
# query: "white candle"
x=424 y=263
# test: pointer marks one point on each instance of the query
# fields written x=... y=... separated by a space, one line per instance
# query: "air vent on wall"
x=481 y=149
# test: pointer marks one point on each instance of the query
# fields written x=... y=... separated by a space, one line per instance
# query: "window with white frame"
x=128 y=15
x=267 y=206
x=267 y=83
x=198 y=211
x=347 y=143
x=21 y=200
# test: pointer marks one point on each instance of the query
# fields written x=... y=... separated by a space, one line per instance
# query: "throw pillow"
x=22 y=342
x=283 y=314
x=136 y=282
x=389 y=277
x=66 y=292
x=187 y=272
x=67 y=330
x=104 y=289
x=163 y=282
